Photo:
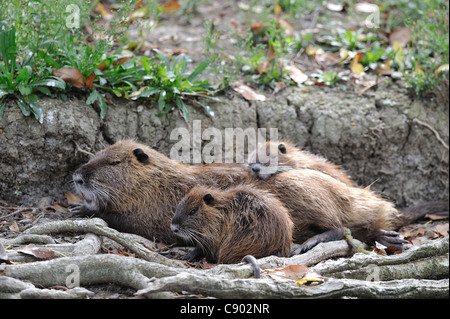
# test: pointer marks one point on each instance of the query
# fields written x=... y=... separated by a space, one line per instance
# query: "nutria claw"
x=75 y=208
x=390 y=238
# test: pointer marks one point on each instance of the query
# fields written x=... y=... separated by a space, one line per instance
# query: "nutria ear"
x=140 y=155
x=282 y=148
x=208 y=199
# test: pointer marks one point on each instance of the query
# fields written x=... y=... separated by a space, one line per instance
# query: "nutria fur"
x=137 y=189
x=290 y=157
x=227 y=225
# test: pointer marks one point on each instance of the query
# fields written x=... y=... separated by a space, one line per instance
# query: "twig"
x=79 y=149
x=433 y=130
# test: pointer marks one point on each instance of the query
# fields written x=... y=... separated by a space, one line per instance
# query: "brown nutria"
x=227 y=225
x=321 y=206
x=290 y=157
x=137 y=189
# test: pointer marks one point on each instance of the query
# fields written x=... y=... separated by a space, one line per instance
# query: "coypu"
x=227 y=225
x=137 y=189
x=321 y=206
x=290 y=157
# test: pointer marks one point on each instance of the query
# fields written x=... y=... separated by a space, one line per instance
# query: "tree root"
x=420 y=272
x=98 y=227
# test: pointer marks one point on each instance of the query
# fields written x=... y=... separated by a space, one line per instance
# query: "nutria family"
x=137 y=189
x=226 y=225
x=290 y=157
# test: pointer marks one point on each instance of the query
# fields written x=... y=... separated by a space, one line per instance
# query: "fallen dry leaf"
x=247 y=92
x=310 y=277
x=441 y=229
x=366 y=7
x=171 y=7
x=36 y=252
x=288 y=28
x=296 y=74
x=402 y=36
x=72 y=198
x=294 y=272
x=356 y=67
x=70 y=75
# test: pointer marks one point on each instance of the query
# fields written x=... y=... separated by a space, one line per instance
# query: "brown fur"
x=141 y=197
x=137 y=189
x=318 y=202
x=228 y=225
x=291 y=157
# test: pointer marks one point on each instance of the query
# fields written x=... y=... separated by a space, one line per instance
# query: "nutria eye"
x=192 y=212
x=114 y=163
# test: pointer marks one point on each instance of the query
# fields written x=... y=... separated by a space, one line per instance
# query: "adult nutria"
x=137 y=189
x=227 y=225
x=321 y=206
x=290 y=157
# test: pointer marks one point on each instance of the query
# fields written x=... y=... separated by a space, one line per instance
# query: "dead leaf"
x=90 y=80
x=312 y=51
x=336 y=7
x=441 y=229
x=327 y=58
x=366 y=7
x=171 y=7
x=70 y=75
x=296 y=74
x=37 y=252
x=442 y=68
x=288 y=28
x=402 y=36
x=266 y=65
x=356 y=67
x=310 y=277
x=104 y=11
x=14 y=228
x=436 y=217
x=294 y=272
x=247 y=92
x=72 y=198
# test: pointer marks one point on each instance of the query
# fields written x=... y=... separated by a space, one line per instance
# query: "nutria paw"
x=79 y=210
x=390 y=238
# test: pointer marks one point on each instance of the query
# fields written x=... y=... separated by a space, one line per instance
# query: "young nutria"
x=137 y=189
x=227 y=225
x=290 y=157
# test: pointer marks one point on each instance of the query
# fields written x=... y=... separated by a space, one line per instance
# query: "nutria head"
x=268 y=159
x=199 y=217
x=119 y=176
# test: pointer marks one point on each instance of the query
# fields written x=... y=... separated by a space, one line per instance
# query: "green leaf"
x=52 y=81
x=161 y=100
x=23 y=106
x=24 y=74
x=201 y=67
x=37 y=111
x=96 y=96
x=162 y=58
x=24 y=90
x=183 y=108
x=2 y=107
x=2 y=93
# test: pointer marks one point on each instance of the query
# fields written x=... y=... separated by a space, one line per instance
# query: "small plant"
x=17 y=78
x=170 y=83
x=329 y=78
